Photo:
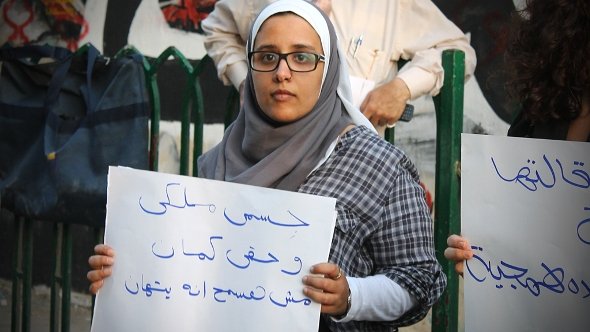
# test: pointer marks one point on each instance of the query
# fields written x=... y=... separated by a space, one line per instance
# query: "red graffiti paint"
x=18 y=28
x=67 y=20
x=187 y=14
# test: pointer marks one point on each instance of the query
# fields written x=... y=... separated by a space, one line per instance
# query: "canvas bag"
x=62 y=124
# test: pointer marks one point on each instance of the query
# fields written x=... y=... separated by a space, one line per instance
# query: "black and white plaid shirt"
x=383 y=224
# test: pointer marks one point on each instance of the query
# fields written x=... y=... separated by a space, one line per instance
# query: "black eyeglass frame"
x=318 y=58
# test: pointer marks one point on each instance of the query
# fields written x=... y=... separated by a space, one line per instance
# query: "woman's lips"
x=282 y=95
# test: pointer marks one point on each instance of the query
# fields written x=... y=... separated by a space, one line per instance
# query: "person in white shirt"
x=374 y=35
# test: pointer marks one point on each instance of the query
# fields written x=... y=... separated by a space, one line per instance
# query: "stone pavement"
x=79 y=310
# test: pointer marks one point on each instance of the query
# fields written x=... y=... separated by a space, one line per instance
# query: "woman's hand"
x=329 y=287
x=101 y=266
x=458 y=250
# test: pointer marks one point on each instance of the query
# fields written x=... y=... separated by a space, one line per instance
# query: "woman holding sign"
x=298 y=131
x=549 y=56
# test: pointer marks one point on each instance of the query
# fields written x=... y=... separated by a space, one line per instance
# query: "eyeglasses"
x=296 y=61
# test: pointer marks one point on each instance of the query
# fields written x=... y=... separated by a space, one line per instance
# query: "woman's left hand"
x=458 y=251
x=328 y=286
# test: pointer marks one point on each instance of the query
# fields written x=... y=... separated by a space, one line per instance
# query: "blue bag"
x=62 y=124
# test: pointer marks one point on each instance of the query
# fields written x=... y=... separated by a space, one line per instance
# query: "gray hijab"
x=256 y=150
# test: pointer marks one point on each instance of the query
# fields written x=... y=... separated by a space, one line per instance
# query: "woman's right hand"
x=458 y=250
x=101 y=266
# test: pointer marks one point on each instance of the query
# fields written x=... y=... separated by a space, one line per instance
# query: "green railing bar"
x=16 y=315
x=131 y=50
x=198 y=113
x=22 y=276
x=27 y=273
x=154 y=95
x=185 y=127
x=232 y=107
x=66 y=286
x=61 y=278
x=14 y=312
x=171 y=52
x=55 y=277
x=185 y=117
x=198 y=125
x=390 y=135
x=449 y=119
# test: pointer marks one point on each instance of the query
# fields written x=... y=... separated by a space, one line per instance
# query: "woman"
x=298 y=131
x=549 y=60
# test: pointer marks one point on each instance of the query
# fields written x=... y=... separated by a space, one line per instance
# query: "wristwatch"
x=348 y=301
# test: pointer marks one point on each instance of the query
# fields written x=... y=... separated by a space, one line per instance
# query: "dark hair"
x=549 y=58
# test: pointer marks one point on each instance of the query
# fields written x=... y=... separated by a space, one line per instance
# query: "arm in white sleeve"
x=426 y=33
x=377 y=298
x=226 y=29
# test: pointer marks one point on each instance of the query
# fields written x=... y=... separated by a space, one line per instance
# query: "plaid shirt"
x=383 y=224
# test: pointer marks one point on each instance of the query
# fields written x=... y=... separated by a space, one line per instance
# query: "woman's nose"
x=283 y=72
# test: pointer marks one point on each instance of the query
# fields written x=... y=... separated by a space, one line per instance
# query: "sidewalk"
x=41 y=295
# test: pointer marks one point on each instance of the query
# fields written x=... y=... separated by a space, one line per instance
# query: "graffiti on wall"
x=186 y=14
x=59 y=22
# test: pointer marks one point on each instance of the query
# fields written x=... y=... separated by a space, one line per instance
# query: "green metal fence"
x=449 y=113
x=449 y=125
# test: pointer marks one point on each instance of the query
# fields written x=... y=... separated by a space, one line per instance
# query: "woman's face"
x=286 y=96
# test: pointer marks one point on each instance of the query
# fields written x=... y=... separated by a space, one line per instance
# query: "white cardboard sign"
x=201 y=255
